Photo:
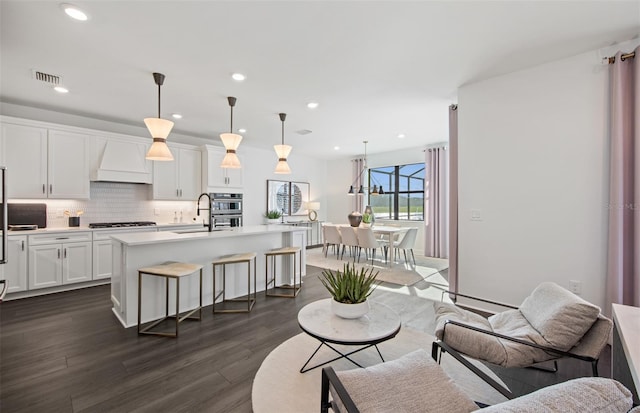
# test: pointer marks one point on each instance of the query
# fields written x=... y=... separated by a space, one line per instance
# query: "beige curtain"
x=436 y=205
x=623 y=264
x=358 y=178
x=453 y=198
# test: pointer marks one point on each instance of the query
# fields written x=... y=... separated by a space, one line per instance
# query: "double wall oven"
x=226 y=210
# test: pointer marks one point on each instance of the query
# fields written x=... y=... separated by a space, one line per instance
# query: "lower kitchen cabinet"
x=15 y=270
x=57 y=260
x=102 y=255
x=103 y=251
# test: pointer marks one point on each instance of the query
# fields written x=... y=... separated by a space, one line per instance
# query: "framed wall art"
x=290 y=198
x=278 y=196
x=299 y=198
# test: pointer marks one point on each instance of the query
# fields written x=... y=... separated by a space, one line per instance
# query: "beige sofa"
x=416 y=383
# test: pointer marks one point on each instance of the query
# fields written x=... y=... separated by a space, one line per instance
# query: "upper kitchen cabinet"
x=179 y=179
x=215 y=178
x=45 y=163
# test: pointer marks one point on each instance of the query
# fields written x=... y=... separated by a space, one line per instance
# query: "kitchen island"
x=138 y=250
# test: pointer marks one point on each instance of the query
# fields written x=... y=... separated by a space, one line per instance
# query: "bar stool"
x=175 y=270
x=295 y=288
x=235 y=259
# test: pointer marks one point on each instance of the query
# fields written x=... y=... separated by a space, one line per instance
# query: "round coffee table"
x=380 y=324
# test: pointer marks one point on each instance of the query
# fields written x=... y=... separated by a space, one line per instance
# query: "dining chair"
x=350 y=239
x=406 y=243
x=368 y=241
x=332 y=237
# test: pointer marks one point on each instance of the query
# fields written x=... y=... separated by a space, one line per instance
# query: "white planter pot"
x=349 y=310
x=271 y=221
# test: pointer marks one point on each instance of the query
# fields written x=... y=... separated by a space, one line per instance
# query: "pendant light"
x=361 y=191
x=159 y=129
x=282 y=151
x=231 y=141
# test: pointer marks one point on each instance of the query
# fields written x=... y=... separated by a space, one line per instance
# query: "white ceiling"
x=377 y=69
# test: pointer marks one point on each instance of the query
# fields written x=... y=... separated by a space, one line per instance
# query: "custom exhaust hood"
x=121 y=161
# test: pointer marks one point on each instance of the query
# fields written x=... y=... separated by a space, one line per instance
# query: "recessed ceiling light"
x=401 y=135
x=312 y=105
x=336 y=148
x=238 y=76
x=61 y=89
x=74 y=12
x=176 y=116
x=241 y=130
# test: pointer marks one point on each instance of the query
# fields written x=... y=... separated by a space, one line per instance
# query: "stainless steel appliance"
x=226 y=210
x=121 y=224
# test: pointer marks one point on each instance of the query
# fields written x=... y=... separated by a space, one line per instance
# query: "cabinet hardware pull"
x=65 y=253
x=50 y=188
x=22 y=245
x=62 y=238
x=58 y=252
x=43 y=189
x=177 y=192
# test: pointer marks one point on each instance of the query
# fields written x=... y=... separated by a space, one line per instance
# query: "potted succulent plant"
x=349 y=289
x=272 y=216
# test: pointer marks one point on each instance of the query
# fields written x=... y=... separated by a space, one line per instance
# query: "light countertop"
x=52 y=230
x=145 y=238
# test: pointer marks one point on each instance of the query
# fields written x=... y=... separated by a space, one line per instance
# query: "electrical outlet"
x=156 y=211
x=59 y=213
x=476 y=215
x=575 y=287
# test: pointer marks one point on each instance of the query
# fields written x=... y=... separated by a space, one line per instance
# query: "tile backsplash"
x=118 y=202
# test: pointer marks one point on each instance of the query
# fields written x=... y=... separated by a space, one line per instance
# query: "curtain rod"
x=612 y=60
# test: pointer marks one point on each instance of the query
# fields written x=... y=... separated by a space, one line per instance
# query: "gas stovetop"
x=121 y=224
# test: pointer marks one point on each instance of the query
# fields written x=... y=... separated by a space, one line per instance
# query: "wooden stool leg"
x=139 y=299
x=177 y=302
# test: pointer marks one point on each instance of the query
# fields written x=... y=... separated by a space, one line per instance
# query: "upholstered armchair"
x=550 y=324
x=416 y=383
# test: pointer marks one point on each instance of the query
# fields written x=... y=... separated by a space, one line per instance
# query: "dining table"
x=389 y=233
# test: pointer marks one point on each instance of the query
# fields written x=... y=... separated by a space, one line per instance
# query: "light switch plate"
x=476 y=215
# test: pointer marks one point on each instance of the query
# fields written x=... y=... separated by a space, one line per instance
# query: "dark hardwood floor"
x=66 y=352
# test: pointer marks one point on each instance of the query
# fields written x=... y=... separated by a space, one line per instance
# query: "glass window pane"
x=382 y=206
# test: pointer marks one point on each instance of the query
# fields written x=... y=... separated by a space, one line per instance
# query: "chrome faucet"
x=209 y=226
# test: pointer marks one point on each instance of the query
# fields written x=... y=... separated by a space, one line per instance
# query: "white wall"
x=258 y=165
x=533 y=159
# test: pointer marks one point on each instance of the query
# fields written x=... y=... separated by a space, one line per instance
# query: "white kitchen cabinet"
x=45 y=163
x=103 y=251
x=25 y=156
x=215 y=178
x=57 y=259
x=179 y=179
x=15 y=270
x=68 y=165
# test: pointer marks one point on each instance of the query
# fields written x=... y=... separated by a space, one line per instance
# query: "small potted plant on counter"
x=272 y=217
x=349 y=289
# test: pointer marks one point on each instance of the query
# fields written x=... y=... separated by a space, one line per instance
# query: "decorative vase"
x=355 y=218
x=349 y=310
x=270 y=221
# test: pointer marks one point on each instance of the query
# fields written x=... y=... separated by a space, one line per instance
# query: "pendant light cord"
x=283 y=116
x=158 y=101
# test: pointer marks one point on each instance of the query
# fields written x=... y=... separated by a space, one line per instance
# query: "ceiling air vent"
x=303 y=132
x=53 y=80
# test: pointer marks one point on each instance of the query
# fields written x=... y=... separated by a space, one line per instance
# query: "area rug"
x=280 y=387
x=399 y=273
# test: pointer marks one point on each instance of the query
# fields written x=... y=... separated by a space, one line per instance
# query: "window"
x=404 y=192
